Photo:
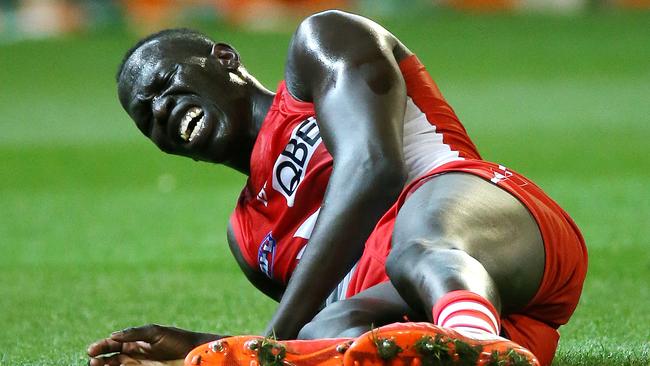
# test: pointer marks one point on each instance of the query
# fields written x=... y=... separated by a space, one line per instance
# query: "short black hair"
x=186 y=33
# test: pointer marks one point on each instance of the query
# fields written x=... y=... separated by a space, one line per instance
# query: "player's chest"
x=290 y=170
x=290 y=165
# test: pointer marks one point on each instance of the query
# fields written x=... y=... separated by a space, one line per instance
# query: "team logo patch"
x=289 y=169
x=266 y=255
x=503 y=174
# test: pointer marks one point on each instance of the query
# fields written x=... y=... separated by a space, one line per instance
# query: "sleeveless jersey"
x=290 y=169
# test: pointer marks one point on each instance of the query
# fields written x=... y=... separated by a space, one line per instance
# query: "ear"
x=226 y=55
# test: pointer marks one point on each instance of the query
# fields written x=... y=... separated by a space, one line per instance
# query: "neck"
x=260 y=101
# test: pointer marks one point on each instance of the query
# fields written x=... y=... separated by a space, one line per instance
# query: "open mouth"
x=192 y=124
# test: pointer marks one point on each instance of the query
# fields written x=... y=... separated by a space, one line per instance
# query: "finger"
x=103 y=347
x=95 y=362
x=149 y=333
x=136 y=348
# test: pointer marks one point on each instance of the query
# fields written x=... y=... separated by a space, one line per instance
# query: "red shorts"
x=535 y=327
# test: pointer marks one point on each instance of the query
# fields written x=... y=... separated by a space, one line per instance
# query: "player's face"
x=183 y=98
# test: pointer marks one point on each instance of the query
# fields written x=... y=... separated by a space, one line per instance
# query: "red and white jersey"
x=290 y=169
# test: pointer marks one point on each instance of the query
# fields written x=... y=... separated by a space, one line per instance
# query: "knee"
x=440 y=264
x=309 y=331
x=323 y=325
x=422 y=271
x=408 y=258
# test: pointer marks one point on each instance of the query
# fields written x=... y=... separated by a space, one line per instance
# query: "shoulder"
x=329 y=29
x=326 y=42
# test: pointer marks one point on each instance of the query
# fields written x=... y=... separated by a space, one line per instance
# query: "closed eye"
x=157 y=86
x=162 y=82
x=145 y=100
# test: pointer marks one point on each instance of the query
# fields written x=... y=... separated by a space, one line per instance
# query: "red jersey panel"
x=290 y=169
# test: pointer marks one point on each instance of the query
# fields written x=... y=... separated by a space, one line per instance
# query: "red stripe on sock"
x=473 y=314
x=460 y=296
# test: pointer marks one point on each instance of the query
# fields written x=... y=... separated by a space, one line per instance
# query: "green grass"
x=99 y=231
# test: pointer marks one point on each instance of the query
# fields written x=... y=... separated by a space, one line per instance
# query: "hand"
x=149 y=345
x=127 y=361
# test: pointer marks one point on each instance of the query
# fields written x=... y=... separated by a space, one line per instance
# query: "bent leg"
x=425 y=270
x=460 y=232
x=374 y=307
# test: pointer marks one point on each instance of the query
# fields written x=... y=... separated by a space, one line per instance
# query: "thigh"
x=483 y=220
x=374 y=307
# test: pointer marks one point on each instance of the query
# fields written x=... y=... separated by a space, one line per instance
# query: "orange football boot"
x=399 y=344
x=425 y=344
x=260 y=351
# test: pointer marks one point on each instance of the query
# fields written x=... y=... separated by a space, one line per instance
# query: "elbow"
x=377 y=178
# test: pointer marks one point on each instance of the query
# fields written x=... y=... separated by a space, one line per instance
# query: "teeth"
x=198 y=128
x=191 y=114
x=184 y=123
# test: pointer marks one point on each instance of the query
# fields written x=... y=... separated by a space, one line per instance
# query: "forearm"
x=349 y=213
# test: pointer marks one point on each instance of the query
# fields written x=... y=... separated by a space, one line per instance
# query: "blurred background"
x=99 y=230
x=21 y=19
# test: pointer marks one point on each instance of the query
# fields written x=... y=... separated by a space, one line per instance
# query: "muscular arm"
x=346 y=66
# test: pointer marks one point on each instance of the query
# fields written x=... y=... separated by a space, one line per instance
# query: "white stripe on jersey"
x=342 y=289
x=305 y=229
x=423 y=147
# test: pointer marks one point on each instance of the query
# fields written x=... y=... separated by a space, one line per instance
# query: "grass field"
x=99 y=230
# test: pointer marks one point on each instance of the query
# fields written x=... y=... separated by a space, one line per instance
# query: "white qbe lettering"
x=289 y=168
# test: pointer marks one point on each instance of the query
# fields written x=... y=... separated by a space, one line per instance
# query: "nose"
x=161 y=107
